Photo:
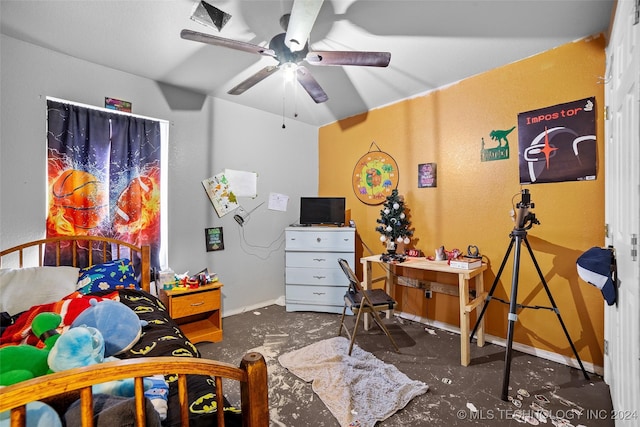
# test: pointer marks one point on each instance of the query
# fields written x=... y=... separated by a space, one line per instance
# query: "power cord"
x=243 y=239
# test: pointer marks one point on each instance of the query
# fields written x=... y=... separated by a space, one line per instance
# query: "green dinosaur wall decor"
x=501 y=152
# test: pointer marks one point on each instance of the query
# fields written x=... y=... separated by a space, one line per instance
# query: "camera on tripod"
x=524 y=218
x=524 y=221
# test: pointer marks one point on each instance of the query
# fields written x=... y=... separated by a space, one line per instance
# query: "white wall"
x=207 y=135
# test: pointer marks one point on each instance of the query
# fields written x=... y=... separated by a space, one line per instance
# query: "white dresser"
x=314 y=280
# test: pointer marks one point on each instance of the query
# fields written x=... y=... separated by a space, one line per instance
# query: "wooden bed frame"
x=251 y=374
x=96 y=246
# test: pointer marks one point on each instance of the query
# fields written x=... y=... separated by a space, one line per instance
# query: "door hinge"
x=606 y=110
x=606 y=230
x=636 y=13
x=606 y=347
x=634 y=247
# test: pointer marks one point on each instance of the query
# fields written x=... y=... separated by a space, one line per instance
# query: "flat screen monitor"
x=322 y=210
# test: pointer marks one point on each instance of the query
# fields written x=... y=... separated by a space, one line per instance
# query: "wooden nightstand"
x=197 y=311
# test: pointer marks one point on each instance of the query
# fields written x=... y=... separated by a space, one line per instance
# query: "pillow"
x=22 y=288
x=116 y=274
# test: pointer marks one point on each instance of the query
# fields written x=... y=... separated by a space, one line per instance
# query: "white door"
x=622 y=183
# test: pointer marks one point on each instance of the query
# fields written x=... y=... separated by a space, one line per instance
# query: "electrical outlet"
x=427 y=293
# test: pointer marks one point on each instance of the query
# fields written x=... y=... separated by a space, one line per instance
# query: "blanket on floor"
x=360 y=389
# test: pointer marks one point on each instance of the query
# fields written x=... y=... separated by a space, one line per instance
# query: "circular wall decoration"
x=374 y=177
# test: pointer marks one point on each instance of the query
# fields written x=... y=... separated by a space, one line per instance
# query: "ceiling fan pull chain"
x=284 y=89
x=295 y=101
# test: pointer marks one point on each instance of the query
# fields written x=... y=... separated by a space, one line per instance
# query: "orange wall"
x=472 y=200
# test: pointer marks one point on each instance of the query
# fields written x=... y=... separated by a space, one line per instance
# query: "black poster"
x=214 y=239
x=558 y=143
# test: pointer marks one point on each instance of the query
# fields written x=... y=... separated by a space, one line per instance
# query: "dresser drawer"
x=316 y=295
x=316 y=276
x=194 y=303
x=316 y=259
x=336 y=240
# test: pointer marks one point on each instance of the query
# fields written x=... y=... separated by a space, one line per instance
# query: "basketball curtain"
x=104 y=176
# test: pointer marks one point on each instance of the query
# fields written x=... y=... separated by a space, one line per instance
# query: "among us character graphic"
x=558 y=143
x=78 y=202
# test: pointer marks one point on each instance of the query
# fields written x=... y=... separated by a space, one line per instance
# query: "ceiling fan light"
x=289 y=69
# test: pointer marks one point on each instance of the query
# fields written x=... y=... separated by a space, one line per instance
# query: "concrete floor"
x=457 y=395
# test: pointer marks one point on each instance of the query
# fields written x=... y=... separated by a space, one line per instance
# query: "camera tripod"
x=518 y=236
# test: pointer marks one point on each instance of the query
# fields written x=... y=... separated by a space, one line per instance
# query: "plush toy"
x=158 y=394
x=38 y=415
x=119 y=325
x=84 y=346
x=22 y=362
x=79 y=346
x=102 y=330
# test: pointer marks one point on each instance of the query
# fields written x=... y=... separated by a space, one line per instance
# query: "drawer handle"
x=195 y=304
x=319 y=259
x=319 y=293
x=319 y=240
x=319 y=277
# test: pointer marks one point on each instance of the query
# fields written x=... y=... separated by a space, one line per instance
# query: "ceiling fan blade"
x=369 y=59
x=311 y=85
x=253 y=80
x=303 y=16
x=221 y=41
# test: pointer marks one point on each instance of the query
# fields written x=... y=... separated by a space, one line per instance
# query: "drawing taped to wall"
x=222 y=197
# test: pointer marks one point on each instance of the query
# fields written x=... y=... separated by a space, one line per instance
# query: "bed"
x=195 y=384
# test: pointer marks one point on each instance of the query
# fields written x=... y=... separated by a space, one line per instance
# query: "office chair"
x=364 y=301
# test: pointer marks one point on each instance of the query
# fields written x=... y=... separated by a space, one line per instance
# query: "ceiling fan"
x=291 y=48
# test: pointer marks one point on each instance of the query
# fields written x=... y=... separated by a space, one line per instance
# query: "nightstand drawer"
x=194 y=303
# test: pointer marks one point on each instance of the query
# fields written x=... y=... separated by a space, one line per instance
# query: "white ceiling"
x=432 y=42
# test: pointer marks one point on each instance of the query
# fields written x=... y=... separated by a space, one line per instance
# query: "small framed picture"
x=117 y=104
x=214 y=239
x=427 y=175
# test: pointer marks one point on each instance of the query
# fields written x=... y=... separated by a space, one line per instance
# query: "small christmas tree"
x=394 y=225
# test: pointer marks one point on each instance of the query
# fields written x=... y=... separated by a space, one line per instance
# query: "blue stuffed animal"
x=38 y=415
x=84 y=346
x=119 y=325
x=105 y=329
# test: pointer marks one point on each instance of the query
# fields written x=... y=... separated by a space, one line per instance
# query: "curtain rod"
x=106 y=110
